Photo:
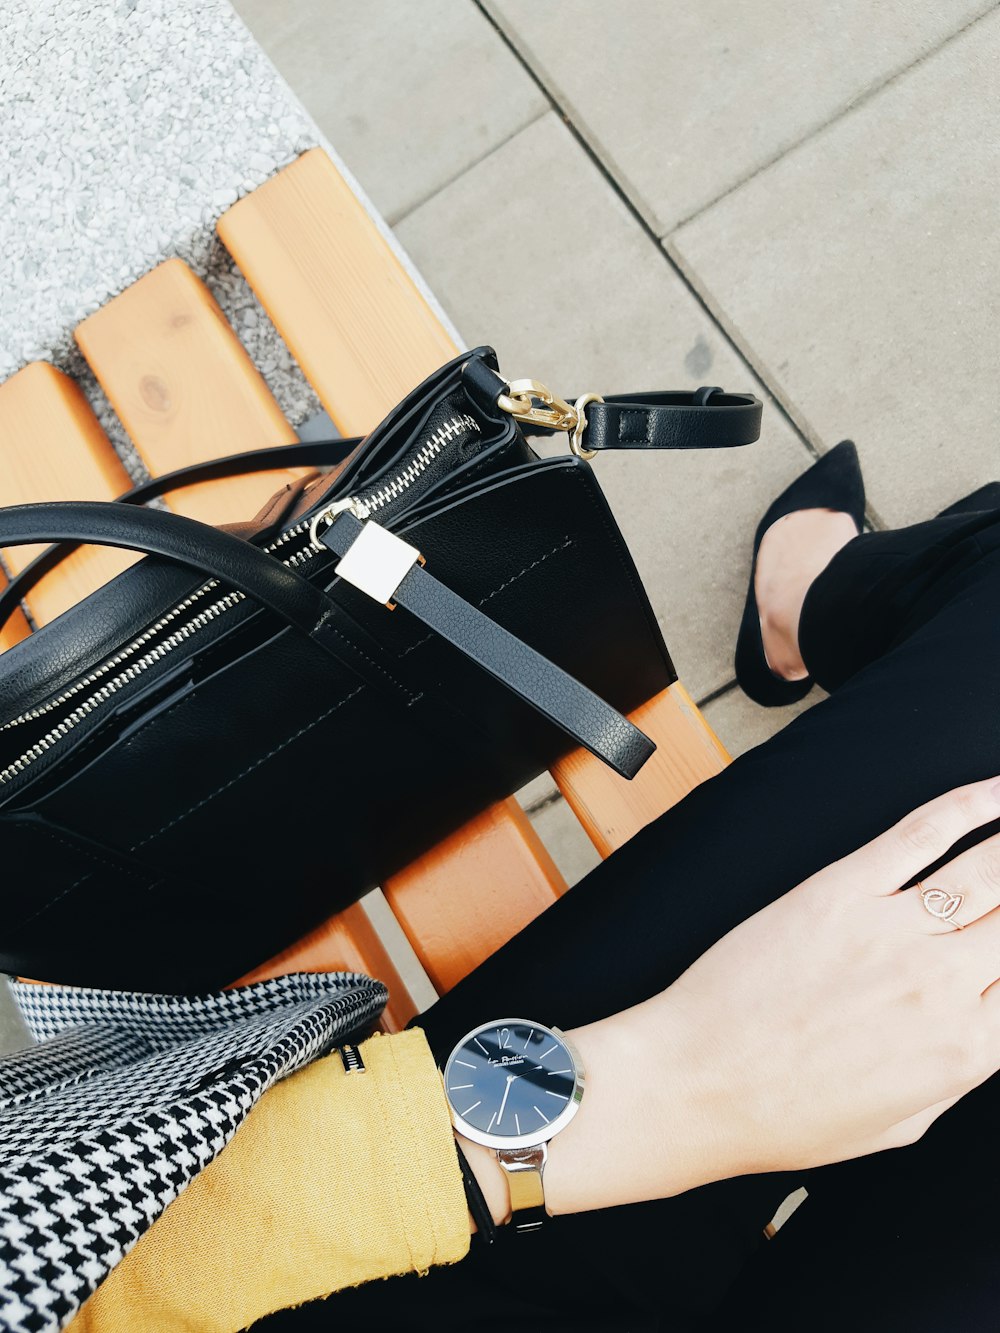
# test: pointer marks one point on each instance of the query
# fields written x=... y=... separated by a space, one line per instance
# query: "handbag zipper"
x=384 y=494
x=364 y=505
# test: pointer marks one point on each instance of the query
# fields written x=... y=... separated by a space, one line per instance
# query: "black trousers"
x=904 y=629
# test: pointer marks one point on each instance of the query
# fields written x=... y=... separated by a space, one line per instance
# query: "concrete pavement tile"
x=860 y=274
x=740 y=724
x=568 y=845
x=576 y=295
x=399 y=949
x=13 y=1034
x=409 y=94
x=538 y=792
x=682 y=102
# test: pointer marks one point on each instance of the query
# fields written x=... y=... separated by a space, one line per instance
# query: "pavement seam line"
x=855 y=104
x=543 y=803
x=719 y=693
x=493 y=148
x=803 y=432
x=796 y=421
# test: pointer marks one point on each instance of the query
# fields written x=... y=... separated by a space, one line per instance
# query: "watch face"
x=512 y=1083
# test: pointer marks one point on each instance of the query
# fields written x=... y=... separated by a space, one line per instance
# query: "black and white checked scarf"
x=125 y=1100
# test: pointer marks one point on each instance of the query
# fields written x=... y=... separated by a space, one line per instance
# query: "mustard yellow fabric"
x=332 y=1180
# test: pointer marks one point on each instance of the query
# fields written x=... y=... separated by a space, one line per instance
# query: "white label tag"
x=377 y=562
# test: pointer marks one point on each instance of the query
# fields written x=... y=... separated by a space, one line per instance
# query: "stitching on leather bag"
x=567 y=541
x=562 y=546
x=321 y=624
x=474 y=469
x=192 y=698
x=95 y=741
x=272 y=504
x=481 y=464
x=412 y=698
x=249 y=769
x=624 y=428
x=45 y=832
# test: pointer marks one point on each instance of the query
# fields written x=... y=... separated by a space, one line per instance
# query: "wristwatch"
x=512 y=1085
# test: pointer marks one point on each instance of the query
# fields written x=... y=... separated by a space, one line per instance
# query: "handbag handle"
x=705 y=418
x=581 y=713
x=312 y=453
x=205 y=549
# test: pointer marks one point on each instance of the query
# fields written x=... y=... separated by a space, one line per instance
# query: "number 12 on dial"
x=513 y=1083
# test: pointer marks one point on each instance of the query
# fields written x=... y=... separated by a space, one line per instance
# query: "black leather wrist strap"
x=476 y=1200
x=703 y=419
x=580 y=712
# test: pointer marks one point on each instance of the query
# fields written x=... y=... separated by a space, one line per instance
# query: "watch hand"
x=510 y=1080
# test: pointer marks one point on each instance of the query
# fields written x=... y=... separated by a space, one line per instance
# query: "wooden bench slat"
x=187 y=391
x=346 y=941
x=612 y=809
x=52 y=447
x=364 y=336
x=359 y=328
x=185 y=388
x=473 y=892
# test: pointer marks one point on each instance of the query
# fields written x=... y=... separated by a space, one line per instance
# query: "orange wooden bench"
x=186 y=390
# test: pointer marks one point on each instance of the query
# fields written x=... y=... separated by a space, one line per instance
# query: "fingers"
x=959 y=893
x=887 y=862
x=991 y=999
x=978 y=948
x=961 y=900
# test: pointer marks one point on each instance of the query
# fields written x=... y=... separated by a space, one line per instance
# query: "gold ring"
x=942 y=904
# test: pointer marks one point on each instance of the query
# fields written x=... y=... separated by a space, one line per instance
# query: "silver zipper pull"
x=377 y=561
x=326 y=516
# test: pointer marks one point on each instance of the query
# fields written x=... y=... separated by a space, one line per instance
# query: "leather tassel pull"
x=392 y=572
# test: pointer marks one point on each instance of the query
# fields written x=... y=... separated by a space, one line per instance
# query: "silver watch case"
x=502 y=1141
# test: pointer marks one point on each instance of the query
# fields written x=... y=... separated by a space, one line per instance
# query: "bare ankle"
x=793 y=551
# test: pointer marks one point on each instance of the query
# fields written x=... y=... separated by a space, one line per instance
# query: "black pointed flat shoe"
x=833 y=482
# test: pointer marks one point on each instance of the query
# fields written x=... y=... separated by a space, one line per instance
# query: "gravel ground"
x=130 y=126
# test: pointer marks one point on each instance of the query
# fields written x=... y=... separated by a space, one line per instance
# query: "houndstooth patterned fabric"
x=125 y=1100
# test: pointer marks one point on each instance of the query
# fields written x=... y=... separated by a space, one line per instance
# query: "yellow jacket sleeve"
x=332 y=1180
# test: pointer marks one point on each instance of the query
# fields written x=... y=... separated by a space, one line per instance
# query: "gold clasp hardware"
x=537 y=405
x=555 y=413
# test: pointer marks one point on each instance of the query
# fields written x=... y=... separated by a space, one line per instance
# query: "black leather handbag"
x=235 y=738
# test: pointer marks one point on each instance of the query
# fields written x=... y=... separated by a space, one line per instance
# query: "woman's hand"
x=839 y=1021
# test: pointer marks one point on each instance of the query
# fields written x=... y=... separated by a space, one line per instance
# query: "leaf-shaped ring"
x=942 y=904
